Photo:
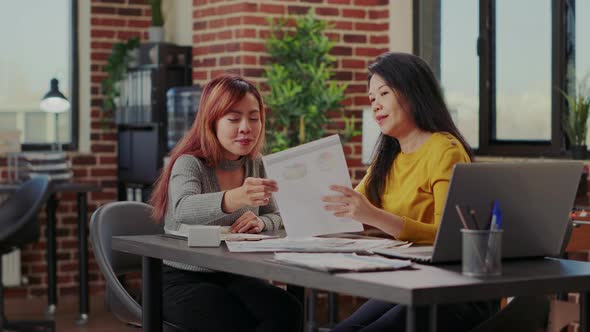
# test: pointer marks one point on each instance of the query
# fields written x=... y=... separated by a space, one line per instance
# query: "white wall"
x=84 y=75
x=400 y=26
x=178 y=21
x=400 y=40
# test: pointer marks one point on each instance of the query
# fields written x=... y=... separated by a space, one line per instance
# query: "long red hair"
x=218 y=97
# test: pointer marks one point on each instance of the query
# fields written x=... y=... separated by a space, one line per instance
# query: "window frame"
x=74 y=90
x=427 y=44
x=486 y=47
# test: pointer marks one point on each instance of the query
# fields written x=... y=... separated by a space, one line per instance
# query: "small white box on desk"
x=204 y=236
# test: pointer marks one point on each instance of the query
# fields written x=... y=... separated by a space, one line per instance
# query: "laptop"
x=536 y=199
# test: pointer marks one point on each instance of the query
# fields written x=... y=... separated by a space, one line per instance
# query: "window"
x=523 y=70
x=36 y=49
x=501 y=66
x=522 y=66
x=582 y=42
x=582 y=57
x=460 y=65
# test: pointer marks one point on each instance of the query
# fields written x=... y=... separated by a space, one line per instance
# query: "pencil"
x=474 y=217
x=461 y=216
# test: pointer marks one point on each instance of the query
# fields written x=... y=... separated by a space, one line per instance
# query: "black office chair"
x=120 y=219
x=19 y=225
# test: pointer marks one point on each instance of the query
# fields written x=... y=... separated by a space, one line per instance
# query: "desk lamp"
x=55 y=102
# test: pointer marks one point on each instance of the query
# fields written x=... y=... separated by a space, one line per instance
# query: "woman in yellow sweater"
x=404 y=191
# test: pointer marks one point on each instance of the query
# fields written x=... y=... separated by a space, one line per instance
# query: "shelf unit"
x=142 y=118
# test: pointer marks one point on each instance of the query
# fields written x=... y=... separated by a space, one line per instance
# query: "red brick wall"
x=111 y=21
x=227 y=36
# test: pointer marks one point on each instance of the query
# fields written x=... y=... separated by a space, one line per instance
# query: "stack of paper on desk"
x=341 y=262
x=225 y=234
x=311 y=244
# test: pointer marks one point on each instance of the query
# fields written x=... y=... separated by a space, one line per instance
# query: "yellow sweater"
x=417 y=185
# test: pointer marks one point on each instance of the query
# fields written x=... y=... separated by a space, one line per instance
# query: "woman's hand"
x=350 y=204
x=356 y=206
x=247 y=223
x=254 y=192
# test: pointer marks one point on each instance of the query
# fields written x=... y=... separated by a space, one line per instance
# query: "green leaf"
x=299 y=81
x=575 y=116
x=116 y=69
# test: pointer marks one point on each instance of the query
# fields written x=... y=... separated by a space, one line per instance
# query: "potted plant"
x=116 y=68
x=575 y=119
x=301 y=92
x=156 y=30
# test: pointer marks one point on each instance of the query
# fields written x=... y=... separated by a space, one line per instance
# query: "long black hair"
x=415 y=85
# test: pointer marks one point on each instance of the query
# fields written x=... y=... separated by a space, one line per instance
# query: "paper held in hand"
x=304 y=175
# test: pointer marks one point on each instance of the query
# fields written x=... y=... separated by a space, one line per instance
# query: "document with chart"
x=304 y=175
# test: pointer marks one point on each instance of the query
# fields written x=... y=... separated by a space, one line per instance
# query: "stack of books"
x=26 y=165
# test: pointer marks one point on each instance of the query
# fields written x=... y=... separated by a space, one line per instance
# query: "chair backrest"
x=19 y=223
x=119 y=219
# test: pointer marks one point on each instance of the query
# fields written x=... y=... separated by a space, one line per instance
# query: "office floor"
x=66 y=314
x=103 y=321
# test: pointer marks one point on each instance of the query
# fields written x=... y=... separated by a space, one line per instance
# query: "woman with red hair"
x=215 y=177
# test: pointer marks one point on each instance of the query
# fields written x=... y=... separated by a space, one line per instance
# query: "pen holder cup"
x=482 y=252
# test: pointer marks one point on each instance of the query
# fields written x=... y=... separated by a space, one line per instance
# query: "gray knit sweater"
x=194 y=198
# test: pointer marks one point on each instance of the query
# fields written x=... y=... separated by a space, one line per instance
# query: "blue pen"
x=499 y=219
x=496 y=217
x=496 y=224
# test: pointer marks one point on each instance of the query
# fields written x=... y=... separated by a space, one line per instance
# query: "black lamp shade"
x=54 y=101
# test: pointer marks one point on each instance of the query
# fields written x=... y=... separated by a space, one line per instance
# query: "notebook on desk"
x=535 y=197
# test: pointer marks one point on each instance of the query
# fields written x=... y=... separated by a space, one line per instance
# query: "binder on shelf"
x=142 y=118
x=135 y=100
